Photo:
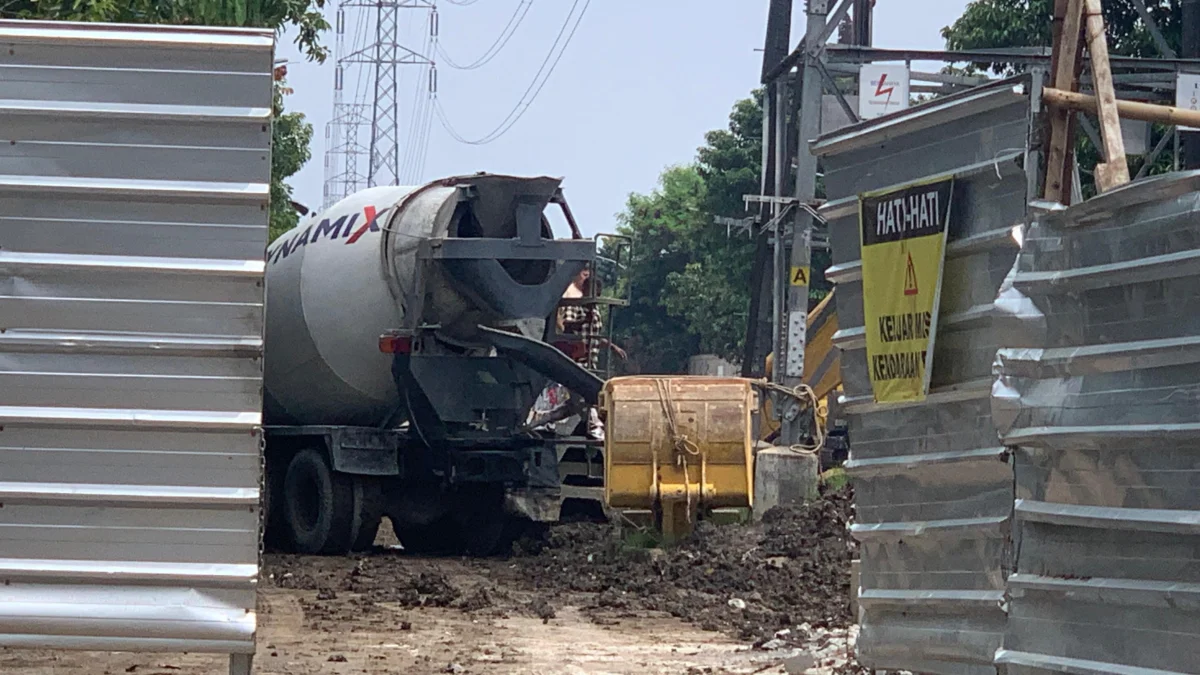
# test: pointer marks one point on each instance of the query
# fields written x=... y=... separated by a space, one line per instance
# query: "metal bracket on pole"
x=831 y=25
x=851 y=114
x=1148 y=163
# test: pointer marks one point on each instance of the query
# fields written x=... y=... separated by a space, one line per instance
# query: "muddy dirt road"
x=770 y=598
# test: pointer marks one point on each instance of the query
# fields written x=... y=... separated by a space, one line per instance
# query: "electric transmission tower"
x=362 y=139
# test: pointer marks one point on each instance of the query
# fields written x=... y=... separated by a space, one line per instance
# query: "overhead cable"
x=514 y=22
x=535 y=87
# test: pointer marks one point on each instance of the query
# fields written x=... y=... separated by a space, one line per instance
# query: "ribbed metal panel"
x=133 y=218
x=1099 y=377
x=933 y=488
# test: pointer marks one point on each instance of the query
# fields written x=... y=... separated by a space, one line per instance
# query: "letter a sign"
x=903 y=234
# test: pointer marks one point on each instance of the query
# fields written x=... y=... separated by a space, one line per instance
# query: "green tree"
x=996 y=24
x=660 y=226
x=290 y=133
x=291 y=137
x=690 y=277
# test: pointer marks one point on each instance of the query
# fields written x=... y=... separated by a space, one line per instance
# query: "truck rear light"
x=395 y=344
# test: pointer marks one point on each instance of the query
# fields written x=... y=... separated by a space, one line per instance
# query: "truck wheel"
x=319 y=505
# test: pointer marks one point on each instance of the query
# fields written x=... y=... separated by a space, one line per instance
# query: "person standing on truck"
x=583 y=320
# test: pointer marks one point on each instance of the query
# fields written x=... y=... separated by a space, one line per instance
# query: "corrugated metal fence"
x=133 y=218
x=1099 y=395
x=933 y=491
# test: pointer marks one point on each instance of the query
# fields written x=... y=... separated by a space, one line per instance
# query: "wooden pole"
x=1133 y=110
x=1114 y=171
x=1066 y=59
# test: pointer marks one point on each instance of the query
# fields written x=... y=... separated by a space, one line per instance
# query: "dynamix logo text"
x=342 y=228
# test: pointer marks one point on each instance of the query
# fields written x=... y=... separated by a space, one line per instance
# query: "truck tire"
x=318 y=505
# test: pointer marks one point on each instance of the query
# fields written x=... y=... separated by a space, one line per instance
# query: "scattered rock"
x=799 y=663
x=336 y=658
x=542 y=609
x=737 y=603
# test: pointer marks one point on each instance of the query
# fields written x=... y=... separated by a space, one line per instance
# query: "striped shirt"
x=585 y=322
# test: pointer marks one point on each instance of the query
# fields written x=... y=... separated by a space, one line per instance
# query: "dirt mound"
x=753 y=581
x=788 y=575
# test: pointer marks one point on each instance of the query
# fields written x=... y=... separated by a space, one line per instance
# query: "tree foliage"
x=690 y=277
x=302 y=15
x=996 y=24
x=290 y=134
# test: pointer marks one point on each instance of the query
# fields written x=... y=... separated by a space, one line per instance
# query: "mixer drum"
x=341 y=279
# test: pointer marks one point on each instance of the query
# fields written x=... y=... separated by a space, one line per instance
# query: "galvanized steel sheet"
x=933 y=487
x=133 y=220
x=1097 y=389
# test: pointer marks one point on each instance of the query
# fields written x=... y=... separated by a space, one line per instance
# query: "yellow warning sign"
x=799 y=276
x=903 y=234
x=910 y=278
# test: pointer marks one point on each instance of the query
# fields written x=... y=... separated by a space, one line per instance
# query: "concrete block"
x=783 y=476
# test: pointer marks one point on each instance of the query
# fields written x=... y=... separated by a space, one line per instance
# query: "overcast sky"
x=638 y=86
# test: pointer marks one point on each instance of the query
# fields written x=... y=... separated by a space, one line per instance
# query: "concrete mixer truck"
x=406 y=341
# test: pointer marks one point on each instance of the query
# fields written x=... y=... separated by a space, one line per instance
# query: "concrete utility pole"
x=790 y=368
x=1190 y=10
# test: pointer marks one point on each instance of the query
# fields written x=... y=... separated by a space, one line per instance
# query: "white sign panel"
x=1187 y=94
x=882 y=89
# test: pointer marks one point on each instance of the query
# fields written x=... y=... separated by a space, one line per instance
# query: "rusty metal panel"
x=1098 y=378
x=933 y=487
x=133 y=220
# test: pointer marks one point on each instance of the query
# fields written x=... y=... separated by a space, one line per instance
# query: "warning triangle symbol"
x=910 y=278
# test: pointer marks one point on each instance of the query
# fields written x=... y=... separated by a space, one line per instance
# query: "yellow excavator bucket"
x=679 y=445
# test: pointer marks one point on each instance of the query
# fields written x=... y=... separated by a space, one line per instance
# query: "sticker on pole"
x=903 y=233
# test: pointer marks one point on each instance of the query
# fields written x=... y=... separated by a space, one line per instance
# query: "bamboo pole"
x=1067 y=49
x=1113 y=171
x=1133 y=110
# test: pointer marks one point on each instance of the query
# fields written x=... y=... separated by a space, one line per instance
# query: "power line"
x=417 y=145
x=514 y=22
x=531 y=92
x=462 y=3
x=414 y=123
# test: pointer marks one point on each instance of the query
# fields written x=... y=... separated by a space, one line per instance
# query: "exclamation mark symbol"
x=910 y=278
